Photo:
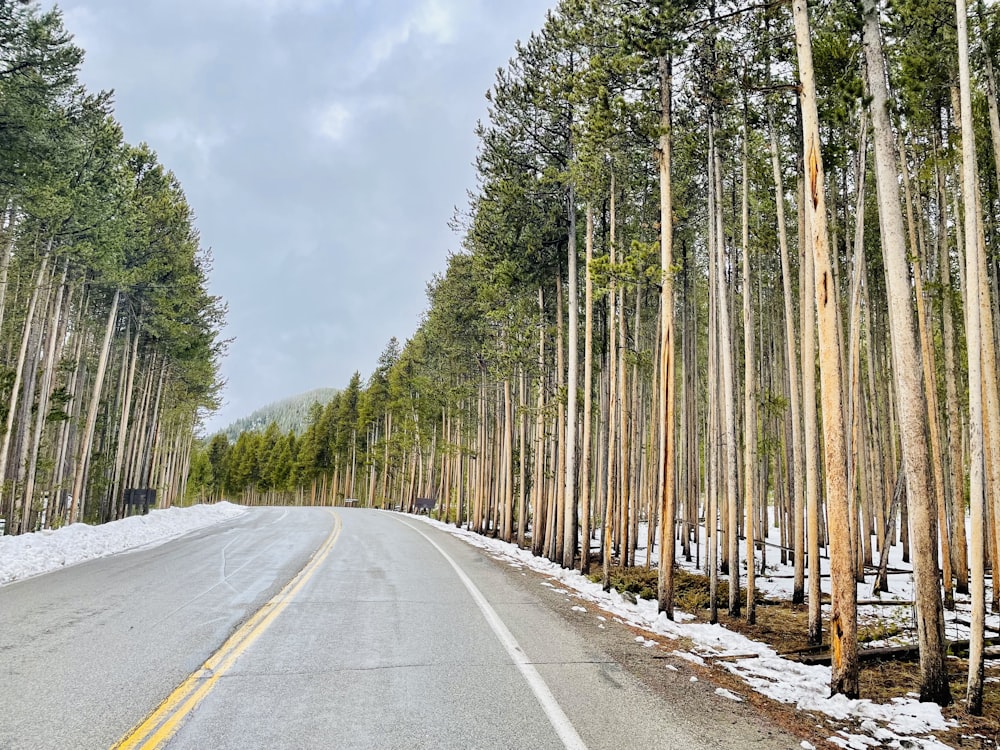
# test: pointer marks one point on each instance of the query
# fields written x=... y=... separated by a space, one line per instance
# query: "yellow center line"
x=161 y=725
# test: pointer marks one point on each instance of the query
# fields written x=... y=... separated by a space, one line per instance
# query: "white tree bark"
x=843 y=613
x=78 y=503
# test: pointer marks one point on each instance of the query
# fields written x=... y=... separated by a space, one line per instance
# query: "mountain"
x=291 y=414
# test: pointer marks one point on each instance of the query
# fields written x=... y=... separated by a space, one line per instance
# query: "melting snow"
x=30 y=555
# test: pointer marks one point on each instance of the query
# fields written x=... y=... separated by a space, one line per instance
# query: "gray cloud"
x=323 y=146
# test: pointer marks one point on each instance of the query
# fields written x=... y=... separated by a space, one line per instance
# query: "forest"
x=289 y=414
x=109 y=340
x=726 y=265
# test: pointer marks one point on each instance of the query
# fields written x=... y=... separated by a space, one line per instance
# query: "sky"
x=324 y=146
x=857 y=724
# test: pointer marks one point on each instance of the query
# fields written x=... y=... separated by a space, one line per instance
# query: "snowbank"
x=43 y=551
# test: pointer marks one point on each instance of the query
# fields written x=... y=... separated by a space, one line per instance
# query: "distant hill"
x=291 y=414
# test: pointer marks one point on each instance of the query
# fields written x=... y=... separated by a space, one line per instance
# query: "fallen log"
x=892 y=652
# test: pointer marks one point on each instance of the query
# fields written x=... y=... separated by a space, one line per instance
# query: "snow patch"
x=40 y=552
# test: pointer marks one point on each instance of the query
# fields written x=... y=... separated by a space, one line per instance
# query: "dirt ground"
x=783 y=626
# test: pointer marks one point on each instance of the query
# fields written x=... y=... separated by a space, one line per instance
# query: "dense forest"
x=724 y=262
x=289 y=415
x=108 y=338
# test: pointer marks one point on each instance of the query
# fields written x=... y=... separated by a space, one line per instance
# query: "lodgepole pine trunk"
x=911 y=399
x=749 y=388
x=588 y=402
x=18 y=377
x=44 y=394
x=728 y=395
x=569 y=444
x=78 y=503
x=712 y=417
x=123 y=427
x=974 y=335
x=667 y=395
x=538 y=485
x=522 y=442
x=558 y=515
x=612 y=426
x=843 y=612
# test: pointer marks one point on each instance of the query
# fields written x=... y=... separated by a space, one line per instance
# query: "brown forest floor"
x=783 y=626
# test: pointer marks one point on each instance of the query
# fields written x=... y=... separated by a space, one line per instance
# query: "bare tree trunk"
x=78 y=503
x=936 y=467
x=959 y=549
x=749 y=386
x=910 y=395
x=123 y=426
x=798 y=468
x=538 y=486
x=588 y=402
x=667 y=395
x=728 y=395
x=712 y=427
x=19 y=376
x=508 y=461
x=624 y=468
x=569 y=443
x=522 y=441
x=974 y=334
x=843 y=612
x=44 y=394
x=612 y=442
x=854 y=400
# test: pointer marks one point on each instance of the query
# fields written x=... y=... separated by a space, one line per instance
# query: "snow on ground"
x=33 y=554
x=905 y=722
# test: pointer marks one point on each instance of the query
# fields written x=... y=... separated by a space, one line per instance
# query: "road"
x=345 y=629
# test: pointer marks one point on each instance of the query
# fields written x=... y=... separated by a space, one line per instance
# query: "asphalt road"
x=395 y=635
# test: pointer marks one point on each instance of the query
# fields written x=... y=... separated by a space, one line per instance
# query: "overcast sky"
x=323 y=145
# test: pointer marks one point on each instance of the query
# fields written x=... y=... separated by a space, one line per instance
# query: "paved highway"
x=308 y=628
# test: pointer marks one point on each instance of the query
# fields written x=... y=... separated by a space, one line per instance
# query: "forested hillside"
x=722 y=261
x=108 y=337
x=289 y=415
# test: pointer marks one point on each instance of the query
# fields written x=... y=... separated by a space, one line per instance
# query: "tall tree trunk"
x=538 y=486
x=910 y=395
x=959 y=548
x=78 y=503
x=749 y=386
x=613 y=407
x=123 y=426
x=798 y=468
x=44 y=394
x=667 y=395
x=974 y=335
x=728 y=395
x=588 y=401
x=843 y=612
x=522 y=443
x=15 y=390
x=508 y=461
x=569 y=444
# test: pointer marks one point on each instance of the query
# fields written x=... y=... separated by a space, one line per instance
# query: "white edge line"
x=559 y=720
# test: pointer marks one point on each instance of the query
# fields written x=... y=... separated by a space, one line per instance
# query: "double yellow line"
x=166 y=719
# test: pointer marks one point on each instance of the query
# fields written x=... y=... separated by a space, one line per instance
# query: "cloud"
x=333 y=121
x=179 y=134
x=337 y=120
x=272 y=8
x=432 y=20
x=436 y=21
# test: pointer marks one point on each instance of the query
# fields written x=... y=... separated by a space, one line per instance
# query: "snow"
x=30 y=555
x=728 y=694
x=905 y=722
